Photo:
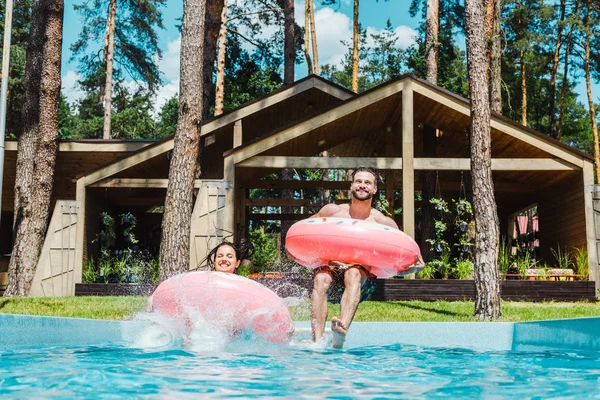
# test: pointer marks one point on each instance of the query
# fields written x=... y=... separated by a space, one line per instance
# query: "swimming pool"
x=60 y=357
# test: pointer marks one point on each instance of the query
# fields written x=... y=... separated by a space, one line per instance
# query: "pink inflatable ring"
x=226 y=301
x=387 y=251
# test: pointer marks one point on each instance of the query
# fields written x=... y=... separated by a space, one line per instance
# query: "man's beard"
x=368 y=195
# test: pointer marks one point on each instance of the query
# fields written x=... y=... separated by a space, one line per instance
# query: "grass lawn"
x=416 y=311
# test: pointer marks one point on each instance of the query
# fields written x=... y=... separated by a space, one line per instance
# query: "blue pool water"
x=251 y=370
x=74 y=358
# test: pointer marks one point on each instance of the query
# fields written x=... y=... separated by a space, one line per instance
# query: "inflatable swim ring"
x=389 y=252
x=225 y=300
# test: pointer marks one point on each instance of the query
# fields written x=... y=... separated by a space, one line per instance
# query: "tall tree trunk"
x=212 y=26
x=220 y=93
x=588 y=85
x=37 y=145
x=289 y=45
x=565 y=82
x=104 y=57
x=175 y=243
x=355 y=34
x=523 y=88
x=553 y=71
x=563 y=89
x=313 y=36
x=429 y=132
x=110 y=53
x=487 y=289
x=493 y=22
x=307 y=23
x=431 y=39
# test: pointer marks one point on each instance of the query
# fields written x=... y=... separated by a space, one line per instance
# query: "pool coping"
x=575 y=333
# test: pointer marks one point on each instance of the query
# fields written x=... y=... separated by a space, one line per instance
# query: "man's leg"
x=318 y=303
x=354 y=277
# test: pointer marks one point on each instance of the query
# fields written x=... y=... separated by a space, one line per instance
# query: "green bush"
x=463 y=269
x=265 y=250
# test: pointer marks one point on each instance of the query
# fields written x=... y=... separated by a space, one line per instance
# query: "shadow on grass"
x=4 y=302
x=433 y=310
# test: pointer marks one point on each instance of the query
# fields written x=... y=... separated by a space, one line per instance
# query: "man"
x=338 y=282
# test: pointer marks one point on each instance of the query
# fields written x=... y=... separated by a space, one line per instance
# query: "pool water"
x=247 y=368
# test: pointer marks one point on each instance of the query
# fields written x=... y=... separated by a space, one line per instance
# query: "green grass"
x=95 y=307
x=415 y=311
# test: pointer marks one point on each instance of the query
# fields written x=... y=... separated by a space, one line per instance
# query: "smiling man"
x=346 y=284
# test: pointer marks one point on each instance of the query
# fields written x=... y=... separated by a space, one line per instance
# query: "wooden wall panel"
x=561 y=211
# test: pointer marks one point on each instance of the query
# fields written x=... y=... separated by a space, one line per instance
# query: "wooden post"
x=237 y=133
x=229 y=214
x=80 y=239
x=389 y=174
x=511 y=230
x=408 y=170
x=592 y=222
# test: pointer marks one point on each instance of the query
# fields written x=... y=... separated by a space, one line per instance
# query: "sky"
x=333 y=24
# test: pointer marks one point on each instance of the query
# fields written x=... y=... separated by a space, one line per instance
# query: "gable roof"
x=376 y=98
x=214 y=124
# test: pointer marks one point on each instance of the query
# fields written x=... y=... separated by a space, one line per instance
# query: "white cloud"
x=169 y=64
x=332 y=27
x=70 y=87
x=165 y=93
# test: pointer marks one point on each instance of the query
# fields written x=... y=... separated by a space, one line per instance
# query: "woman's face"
x=226 y=260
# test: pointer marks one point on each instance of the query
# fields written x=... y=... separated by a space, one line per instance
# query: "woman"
x=225 y=257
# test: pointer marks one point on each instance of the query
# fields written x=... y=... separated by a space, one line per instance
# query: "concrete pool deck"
x=577 y=334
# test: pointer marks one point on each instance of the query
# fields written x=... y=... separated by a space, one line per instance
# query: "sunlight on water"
x=249 y=368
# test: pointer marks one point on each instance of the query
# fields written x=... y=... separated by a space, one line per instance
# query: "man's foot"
x=339 y=333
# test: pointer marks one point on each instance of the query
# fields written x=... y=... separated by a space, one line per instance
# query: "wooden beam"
x=498 y=164
x=278 y=217
x=408 y=152
x=277 y=202
x=321 y=162
x=318 y=121
x=395 y=163
x=138 y=183
x=293 y=184
x=100 y=146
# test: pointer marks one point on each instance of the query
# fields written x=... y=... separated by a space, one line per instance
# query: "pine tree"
x=487 y=288
x=128 y=31
x=38 y=144
x=175 y=243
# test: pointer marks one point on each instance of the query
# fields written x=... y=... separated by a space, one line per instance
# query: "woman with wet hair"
x=226 y=256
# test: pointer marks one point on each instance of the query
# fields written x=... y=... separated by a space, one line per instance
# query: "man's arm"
x=382 y=219
x=328 y=210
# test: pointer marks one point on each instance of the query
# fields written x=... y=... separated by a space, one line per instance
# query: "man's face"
x=363 y=187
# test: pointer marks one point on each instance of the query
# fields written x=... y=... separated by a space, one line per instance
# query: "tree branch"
x=275 y=10
x=259 y=45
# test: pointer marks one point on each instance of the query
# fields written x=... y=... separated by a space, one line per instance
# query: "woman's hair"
x=243 y=250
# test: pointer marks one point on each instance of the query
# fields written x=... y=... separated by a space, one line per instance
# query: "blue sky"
x=333 y=23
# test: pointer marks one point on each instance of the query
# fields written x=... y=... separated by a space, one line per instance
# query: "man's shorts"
x=336 y=289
